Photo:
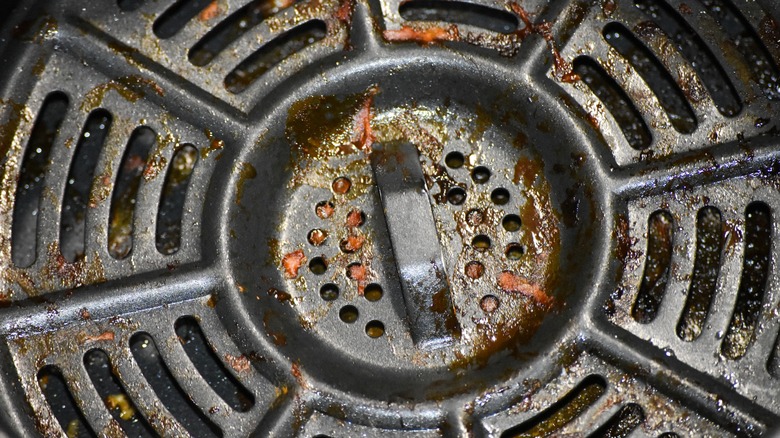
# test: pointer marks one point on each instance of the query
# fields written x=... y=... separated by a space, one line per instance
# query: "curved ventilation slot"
x=669 y=94
x=31 y=178
x=760 y=62
x=211 y=367
x=752 y=284
x=82 y=170
x=174 y=193
x=273 y=53
x=470 y=14
x=177 y=16
x=129 y=5
x=560 y=413
x=114 y=395
x=620 y=425
x=657 y=263
x=615 y=100
x=231 y=29
x=122 y=214
x=693 y=48
x=167 y=389
x=706 y=267
x=62 y=404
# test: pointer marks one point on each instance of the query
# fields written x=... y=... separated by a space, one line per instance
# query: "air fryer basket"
x=339 y=218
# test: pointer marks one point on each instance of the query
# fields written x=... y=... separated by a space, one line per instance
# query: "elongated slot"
x=62 y=403
x=471 y=14
x=174 y=194
x=32 y=175
x=669 y=94
x=658 y=260
x=233 y=27
x=169 y=392
x=761 y=64
x=170 y=22
x=211 y=367
x=123 y=199
x=752 y=284
x=560 y=413
x=706 y=267
x=273 y=53
x=693 y=48
x=129 y=5
x=615 y=100
x=117 y=401
x=620 y=425
x=77 y=191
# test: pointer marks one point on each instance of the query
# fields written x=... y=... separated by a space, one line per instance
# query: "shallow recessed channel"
x=273 y=53
x=658 y=261
x=32 y=177
x=123 y=199
x=82 y=171
x=172 y=200
x=471 y=14
x=209 y=365
x=62 y=403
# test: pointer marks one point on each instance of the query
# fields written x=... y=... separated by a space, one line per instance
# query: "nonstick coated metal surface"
x=382 y=218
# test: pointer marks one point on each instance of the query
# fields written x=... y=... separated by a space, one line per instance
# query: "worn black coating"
x=314 y=374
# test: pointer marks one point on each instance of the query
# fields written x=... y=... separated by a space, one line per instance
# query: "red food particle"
x=209 y=12
x=353 y=243
x=354 y=218
x=238 y=363
x=363 y=136
x=474 y=270
x=292 y=263
x=324 y=210
x=105 y=336
x=509 y=282
x=424 y=36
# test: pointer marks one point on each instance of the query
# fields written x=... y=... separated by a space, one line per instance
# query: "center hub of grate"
x=416 y=238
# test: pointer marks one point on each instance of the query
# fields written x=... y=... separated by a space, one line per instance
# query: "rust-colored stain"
x=562 y=69
x=427 y=35
x=105 y=336
x=131 y=88
x=239 y=363
x=215 y=144
x=511 y=282
x=292 y=263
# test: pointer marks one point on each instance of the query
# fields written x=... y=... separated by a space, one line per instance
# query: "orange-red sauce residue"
x=423 y=36
x=562 y=69
x=510 y=282
x=292 y=263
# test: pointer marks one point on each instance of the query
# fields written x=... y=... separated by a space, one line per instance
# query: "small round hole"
x=480 y=174
x=514 y=251
x=373 y=292
x=375 y=329
x=511 y=222
x=341 y=185
x=351 y=243
x=474 y=270
x=456 y=196
x=317 y=237
x=475 y=217
x=489 y=303
x=329 y=292
x=454 y=160
x=348 y=314
x=500 y=196
x=324 y=209
x=318 y=266
x=481 y=242
x=355 y=218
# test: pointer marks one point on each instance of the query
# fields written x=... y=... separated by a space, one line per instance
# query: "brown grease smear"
x=246 y=172
x=563 y=70
x=129 y=87
x=215 y=144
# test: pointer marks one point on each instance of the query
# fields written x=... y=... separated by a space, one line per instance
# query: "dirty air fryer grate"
x=329 y=218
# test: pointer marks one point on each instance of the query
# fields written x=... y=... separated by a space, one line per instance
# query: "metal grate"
x=329 y=218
